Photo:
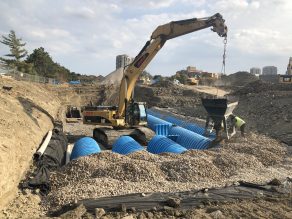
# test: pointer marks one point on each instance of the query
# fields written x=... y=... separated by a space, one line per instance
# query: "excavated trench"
x=141 y=172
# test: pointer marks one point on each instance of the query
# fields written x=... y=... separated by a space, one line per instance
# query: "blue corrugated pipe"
x=174 y=120
x=195 y=128
x=187 y=125
x=189 y=139
x=153 y=113
x=152 y=121
x=162 y=129
x=160 y=144
x=126 y=145
x=83 y=147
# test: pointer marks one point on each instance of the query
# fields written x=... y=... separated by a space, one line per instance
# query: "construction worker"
x=238 y=123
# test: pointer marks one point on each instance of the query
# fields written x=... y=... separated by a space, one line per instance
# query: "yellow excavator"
x=130 y=117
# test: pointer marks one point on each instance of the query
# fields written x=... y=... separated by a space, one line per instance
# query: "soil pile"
x=257 y=159
x=164 y=83
x=26 y=113
x=238 y=79
x=261 y=86
x=267 y=108
x=169 y=96
x=114 y=77
x=111 y=95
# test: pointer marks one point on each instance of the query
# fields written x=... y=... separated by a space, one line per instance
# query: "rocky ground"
x=260 y=208
x=257 y=158
x=254 y=159
x=267 y=108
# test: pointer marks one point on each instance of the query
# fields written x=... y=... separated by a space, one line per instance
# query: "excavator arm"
x=156 y=42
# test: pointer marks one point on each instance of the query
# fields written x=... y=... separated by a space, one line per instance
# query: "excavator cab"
x=136 y=114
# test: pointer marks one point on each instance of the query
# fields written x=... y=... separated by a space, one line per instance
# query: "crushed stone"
x=255 y=159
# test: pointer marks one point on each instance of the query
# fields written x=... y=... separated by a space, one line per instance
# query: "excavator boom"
x=130 y=114
x=158 y=38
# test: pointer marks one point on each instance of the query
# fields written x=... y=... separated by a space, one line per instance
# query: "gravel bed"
x=255 y=159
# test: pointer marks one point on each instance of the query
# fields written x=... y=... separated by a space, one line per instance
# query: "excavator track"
x=106 y=136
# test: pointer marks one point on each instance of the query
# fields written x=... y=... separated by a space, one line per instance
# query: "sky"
x=86 y=35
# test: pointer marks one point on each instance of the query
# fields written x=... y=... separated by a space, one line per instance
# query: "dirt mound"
x=165 y=83
x=261 y=86
x=269 y=112
x=238 y=79
x=114 y=77
x=109 y=174
x=174 y=96
x=26 y=113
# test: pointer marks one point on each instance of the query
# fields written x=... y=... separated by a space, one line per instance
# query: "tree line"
x=39 y=62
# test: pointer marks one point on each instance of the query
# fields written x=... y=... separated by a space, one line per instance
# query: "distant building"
x=191 y=69
x=255 y=71
x=289 y=67
x=210 y=75
x=269 y=70
x=190 y=72
x=123 y=60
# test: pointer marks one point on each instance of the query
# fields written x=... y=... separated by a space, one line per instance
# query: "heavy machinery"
x=193 y=81
x=129 y=117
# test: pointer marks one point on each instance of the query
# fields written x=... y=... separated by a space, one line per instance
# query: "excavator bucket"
x=218 y=108
x=218 y=112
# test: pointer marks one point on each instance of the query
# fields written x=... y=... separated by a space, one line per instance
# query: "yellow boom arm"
x=158 y=38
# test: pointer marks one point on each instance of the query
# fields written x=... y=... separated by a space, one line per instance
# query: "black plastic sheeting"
x=275 y=190
x=53 y=158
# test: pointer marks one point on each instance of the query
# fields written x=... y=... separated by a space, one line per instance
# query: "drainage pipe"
x=44 y=145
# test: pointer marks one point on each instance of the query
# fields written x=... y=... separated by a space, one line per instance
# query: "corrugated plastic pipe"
x=83 y=147
x=162 y=129
x=126 y=145
x=160 y=144
x=189 y=139
x=152 y=121
x=194 y=128
x=187 y=125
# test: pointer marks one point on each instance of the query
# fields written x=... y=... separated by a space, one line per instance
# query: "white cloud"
x=83 y=12
x=261 y=41
x=94 y=32
x=147 y=3
x=255 y=4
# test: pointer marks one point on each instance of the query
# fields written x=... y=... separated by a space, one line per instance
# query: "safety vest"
x=239 y=122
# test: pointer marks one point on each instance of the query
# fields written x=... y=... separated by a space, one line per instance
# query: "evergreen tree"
x=42 y=62
x=45 y=66
x=17 y=51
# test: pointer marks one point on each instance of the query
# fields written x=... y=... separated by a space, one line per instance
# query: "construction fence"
x=20 y=76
